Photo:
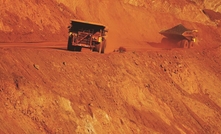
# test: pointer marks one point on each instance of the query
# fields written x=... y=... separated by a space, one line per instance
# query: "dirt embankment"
x=33 y=21
x=55 y=91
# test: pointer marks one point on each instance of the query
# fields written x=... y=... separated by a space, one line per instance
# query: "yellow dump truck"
x=179 y=36
x=87 y=35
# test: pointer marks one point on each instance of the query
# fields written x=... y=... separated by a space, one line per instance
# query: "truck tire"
x=165 y=41
x=179 y=44
x=77 y=48
x=70 y=39
x=191 y=44
x=103 y=46
x=185 y=43
x=100 y=48
x=96 y=48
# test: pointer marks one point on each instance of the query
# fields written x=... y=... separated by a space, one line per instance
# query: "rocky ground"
x=148 y=89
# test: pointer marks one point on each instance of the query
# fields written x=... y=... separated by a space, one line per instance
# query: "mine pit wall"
x=33 y=21
x=129 y=22
x=133 y=92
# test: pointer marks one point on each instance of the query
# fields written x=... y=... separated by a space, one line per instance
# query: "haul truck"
x=179 y=36
x=87 y=35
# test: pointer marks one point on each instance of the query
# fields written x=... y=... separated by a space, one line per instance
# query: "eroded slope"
x=135 y=92
x=33 y=21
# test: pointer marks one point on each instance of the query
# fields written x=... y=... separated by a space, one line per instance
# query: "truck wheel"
x=100 y=48
x=185 y=43
x=103 y=46
x=165 y=41
x=191 y=44
x=70 y=39
x=77 y=48
x=96 y=48
x=179 y=44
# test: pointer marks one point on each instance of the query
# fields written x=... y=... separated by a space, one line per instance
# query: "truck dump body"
x=178 y=31
x=84 y=34
x=78 y=25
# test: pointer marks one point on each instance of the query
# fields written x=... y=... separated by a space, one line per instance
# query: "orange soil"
x=148 y=89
